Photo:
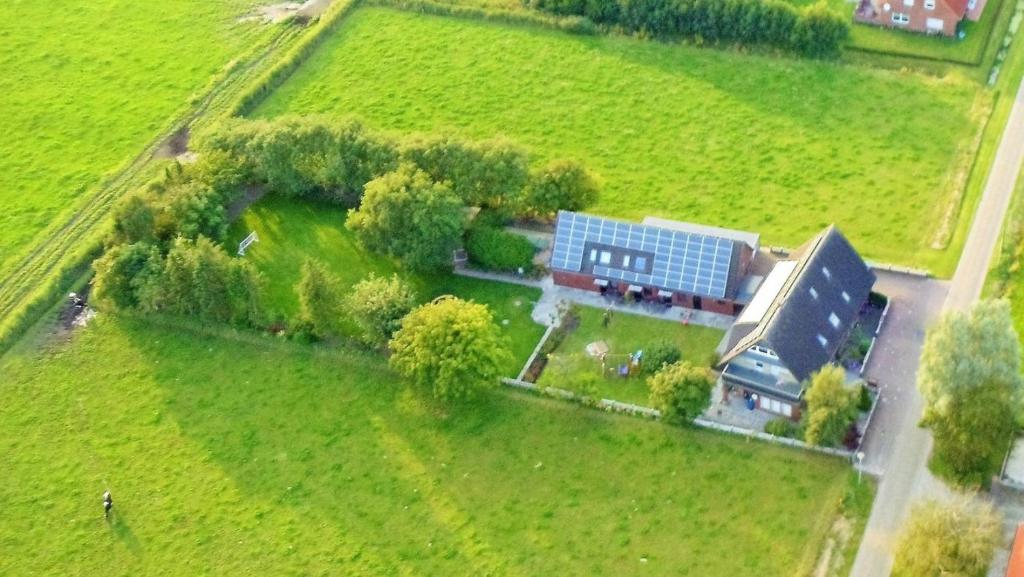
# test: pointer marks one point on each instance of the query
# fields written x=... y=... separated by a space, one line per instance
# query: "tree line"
x=813 y=30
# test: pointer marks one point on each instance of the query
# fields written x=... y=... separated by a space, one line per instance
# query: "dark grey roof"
x=830 y=266
x=675 y=260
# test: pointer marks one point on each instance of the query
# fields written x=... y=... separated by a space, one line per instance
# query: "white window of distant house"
x=908 y=3
x=972 y=4
x=787 y=409
x=822 y=341
x=593 y=254
x=846 y=297
x=900 y=18
x=833 y=320
x=929 y=4
x=826 y=272
x=813 y=291
x=641 y=263
x=936 y=24
x=625 y=261
x=606 y=257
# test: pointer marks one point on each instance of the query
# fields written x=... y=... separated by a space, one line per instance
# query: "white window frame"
x=833 y=320
x=625 y=261
x=826 y=272
x=822 y=340
x=908 y=3
x=846 y=297
x=898 y=18
x=814 y=292
x=929 y=4
x=606 y=257
x=593 y=255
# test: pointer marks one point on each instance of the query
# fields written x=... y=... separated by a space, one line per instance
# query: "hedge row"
x=813 y=30
x=565 y=23
x=275 y=77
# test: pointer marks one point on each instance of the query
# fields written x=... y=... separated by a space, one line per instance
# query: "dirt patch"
x=275 y=13
x=831 y=559
x=176 y=144
x=252 y=194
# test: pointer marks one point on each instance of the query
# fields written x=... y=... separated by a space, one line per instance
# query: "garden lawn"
x=255 y=456
x=87 y=84
x=624 y=335
x=774 y=145
x=290 y=231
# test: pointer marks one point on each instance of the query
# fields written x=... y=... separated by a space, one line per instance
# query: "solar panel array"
x=686 y=262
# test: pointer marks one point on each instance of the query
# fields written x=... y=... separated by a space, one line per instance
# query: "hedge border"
x=571 y=24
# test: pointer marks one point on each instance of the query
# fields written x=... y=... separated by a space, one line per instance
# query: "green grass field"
x=87 y=84
x=237 y=454
x=624 y=335
x=779 y=146
x=291 y=231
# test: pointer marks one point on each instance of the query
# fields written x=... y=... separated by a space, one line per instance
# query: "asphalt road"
x=900 y=451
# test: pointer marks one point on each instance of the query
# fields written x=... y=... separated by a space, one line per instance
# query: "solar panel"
x=683 y=261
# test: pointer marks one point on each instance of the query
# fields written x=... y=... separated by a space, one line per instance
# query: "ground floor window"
x=776 y=406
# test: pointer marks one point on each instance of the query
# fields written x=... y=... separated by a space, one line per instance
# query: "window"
x=826 y=272
x=936 y=24
x=846 y=297
x=787 y=409
x=593 y=254
x=900 y=18
x=606 y=257
x=813 y=291
x=641 y=263
x=822 y=341
x=625 y=261
x=929 y=4
x=833 y=320
x=908 y=3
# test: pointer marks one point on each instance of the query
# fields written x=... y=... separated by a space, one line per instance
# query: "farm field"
x=702 y=135
x=291 y=231
x=87 y=85
x=624 y=334
x=232 y=453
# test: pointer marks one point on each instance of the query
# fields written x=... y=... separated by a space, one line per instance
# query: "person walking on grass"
x=606 y=319
x=108 y=503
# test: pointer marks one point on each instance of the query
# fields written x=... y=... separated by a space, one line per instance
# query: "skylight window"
x=846 y=297
x=813 y=291
x=833 y=320
x=641 y=262
x=593 y=255
x=625 y=261
x=826 y=272
x=606 y=257
x=822 y=341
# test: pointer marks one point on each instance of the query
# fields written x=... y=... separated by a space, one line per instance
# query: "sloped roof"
x=791 y=325
x=682 y=260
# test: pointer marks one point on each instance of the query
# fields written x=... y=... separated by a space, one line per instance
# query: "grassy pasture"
x=291 y=231
x=625 y=334
x=779 y=146
x=239 y=454
x=87 y=84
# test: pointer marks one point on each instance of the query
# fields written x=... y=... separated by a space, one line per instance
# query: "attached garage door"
x=936 y=24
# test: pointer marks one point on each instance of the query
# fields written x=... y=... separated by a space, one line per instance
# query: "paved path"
x=904 y=453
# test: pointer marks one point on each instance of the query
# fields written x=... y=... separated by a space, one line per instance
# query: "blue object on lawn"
x=623 y=370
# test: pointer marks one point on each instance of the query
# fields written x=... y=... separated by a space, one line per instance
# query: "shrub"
x=681 y=392
x=831 y=407
x=659 y=354
x=377 y=305
x=784 y=428
x=561 y=185
x=319 y=301
x=496 y=249
x=864 y=400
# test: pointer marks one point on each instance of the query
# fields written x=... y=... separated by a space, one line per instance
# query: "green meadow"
x=238 y=454
x=775 y=145
x=87 y=84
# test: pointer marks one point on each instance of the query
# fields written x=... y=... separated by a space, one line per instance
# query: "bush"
x=659 y=354
x=499 y=250
x=784 y=428
x=378 y=305
x=864 y=402
x=681 y=392
x=561 y=185
x=319 y=301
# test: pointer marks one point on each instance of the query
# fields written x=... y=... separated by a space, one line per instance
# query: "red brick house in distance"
x=928 y=16
x=683 y=264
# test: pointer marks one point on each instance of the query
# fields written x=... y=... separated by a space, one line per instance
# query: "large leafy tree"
x=681 y=391
x=378 y=305
x=450 y=347
x=831 y=407
x=561 y=185
x=955 y=538
x=319 y=298
x=970 y=379
x=411 y=217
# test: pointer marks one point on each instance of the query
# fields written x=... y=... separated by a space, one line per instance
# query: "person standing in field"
x=108 y=503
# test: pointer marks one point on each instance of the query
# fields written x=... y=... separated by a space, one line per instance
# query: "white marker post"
x=246 y=242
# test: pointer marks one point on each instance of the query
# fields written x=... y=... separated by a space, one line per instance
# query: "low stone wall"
x=647 y=412
x=536 y=351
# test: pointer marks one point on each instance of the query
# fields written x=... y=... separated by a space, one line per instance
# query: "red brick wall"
x=575 y=280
